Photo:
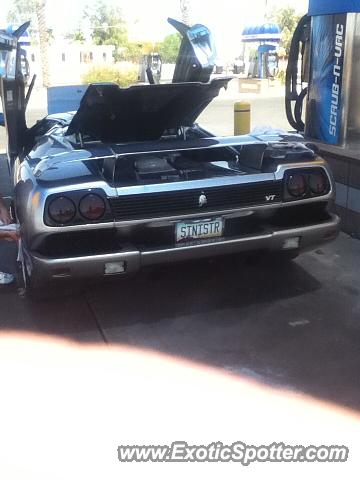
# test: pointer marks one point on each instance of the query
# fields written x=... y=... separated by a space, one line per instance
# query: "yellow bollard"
x=242 y=118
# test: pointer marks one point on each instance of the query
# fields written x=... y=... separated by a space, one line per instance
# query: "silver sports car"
x=130 y=180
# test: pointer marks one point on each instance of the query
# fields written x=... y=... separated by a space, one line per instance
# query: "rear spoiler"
x=249 y=149
x=246 y=146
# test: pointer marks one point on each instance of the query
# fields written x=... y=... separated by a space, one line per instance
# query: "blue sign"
x=326 y=86
x=329 y=7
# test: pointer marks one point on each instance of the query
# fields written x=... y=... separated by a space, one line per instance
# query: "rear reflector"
x=114 y=268
x=291 y=243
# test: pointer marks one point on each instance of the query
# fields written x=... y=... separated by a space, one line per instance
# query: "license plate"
x=199 y=229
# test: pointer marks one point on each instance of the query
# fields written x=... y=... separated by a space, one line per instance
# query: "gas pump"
x=150 y=68
x=322 y=99
x=264 y=61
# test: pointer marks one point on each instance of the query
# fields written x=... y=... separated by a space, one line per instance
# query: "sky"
x=147 y=18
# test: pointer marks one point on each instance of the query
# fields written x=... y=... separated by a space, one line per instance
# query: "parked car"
x=130 y=180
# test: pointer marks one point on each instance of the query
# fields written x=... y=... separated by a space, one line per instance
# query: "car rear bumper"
x=96 y=266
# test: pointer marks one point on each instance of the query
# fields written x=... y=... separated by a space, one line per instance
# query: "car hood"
x=144 y=112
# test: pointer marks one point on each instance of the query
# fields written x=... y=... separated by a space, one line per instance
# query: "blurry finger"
x=11 y=237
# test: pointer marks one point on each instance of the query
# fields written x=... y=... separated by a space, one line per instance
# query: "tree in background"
x=76 y=36
x=169 y=48
x=23 y=11
x=133 y=51
x=108 y=26
x=287 y=19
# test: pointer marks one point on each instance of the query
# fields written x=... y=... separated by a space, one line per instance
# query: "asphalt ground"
x=295 y=326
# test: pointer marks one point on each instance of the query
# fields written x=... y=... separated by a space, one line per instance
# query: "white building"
x=68 y=62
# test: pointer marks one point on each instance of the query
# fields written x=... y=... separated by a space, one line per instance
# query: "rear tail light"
x=92 y=207
x=297 y=185
x=306 y=183
x=318 y=183
x=62 y=210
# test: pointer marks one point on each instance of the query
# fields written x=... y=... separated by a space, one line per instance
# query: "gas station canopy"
x=267 y=32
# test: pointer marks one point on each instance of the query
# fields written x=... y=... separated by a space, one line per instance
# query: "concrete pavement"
x=296 y=326
x=265 y=111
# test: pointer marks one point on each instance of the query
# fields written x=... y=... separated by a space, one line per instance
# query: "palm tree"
x=185 y=11
x=43 y=40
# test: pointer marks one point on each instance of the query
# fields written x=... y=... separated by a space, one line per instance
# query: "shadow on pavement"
x=273 y=323
x=197 y=288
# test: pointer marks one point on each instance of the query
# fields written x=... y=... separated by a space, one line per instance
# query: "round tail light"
x=62 y=210
x=318 y=183
x=92 y=207
x=297 y=185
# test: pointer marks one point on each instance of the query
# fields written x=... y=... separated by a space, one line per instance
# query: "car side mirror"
x=2 y=120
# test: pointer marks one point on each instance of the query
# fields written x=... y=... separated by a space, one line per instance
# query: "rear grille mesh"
x=162 y=204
